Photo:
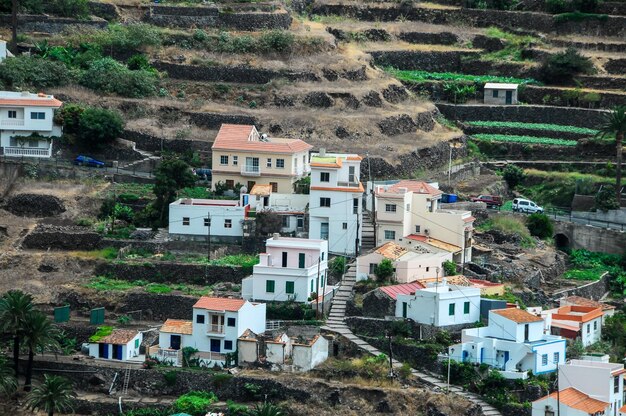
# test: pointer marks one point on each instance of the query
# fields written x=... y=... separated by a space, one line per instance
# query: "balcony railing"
x=12 y=122
x=349 y=184
x=250 y=171
x=215 y=329
x=27 y=151
x=166 y=354
x=210 y=356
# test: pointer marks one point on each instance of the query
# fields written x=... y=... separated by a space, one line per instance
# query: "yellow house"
x=242 y=155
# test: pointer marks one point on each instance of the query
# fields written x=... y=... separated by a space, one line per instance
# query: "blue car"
x=88 y=161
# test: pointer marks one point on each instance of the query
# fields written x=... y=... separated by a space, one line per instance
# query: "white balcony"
x=250 y=171
x=27 y=152
x=215 y=329
x=12 y=122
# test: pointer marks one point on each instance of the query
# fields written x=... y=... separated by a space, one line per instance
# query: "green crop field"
x=524 y=139
x=533 y=126
x=421 y=76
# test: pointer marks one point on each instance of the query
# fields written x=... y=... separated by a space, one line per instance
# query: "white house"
x=290 y=269
x=291 y=207
x=335 y=206
x=601 y=380
x=121 y=344
x=410 y=261
x=410 y=210
x=500 y=93
x=197 y=219
x=582 y=323
x=569 y=402
x=440 y=305
x=217 y=324
x=27 y=125
x=514 y=343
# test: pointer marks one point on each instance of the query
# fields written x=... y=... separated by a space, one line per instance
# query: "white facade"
x=441 y=305
x=575 y=322
x=572 y=404
x=601 y=380
x=335 y=201
x=115 y=348
x=188 y=219
x=500 y=93
x=27 y=125
x=291 y=207
x=514 y=343
x=306 y=357
x=291 y=269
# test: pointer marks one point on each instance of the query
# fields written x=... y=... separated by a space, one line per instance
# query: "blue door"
x=215 y=345
x=465 y=356
x=117 y=352
x=103 y=350
x=482 y=355
x=506 y=358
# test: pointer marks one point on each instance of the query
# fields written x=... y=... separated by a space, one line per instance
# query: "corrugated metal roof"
x=403 y=289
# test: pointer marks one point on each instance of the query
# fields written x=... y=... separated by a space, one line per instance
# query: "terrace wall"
x=49 y=24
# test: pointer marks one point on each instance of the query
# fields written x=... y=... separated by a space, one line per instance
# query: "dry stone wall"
x=49 y=24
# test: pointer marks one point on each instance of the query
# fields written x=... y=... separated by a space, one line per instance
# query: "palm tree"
x=615 y=123
x=55 y=394
x=15 y=306
x=267 y=409
x=39 y=333
x=8 y=382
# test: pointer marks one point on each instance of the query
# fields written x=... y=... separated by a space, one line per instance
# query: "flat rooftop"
x=206 y=202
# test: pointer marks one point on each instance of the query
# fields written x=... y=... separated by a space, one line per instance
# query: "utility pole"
x=356 y=239
x=464 y=248
x=388 y=334
x=450 y=164
x=317 y=304
x=558 y=393
x=449 y=358
x=208 y=236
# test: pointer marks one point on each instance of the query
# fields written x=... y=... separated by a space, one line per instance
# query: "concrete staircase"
x=368 y=238
x=335 y=323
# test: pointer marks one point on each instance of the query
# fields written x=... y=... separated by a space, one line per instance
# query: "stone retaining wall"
x=49 y=24
x=145 y=141
x=376 y=327
x=105 y=11
x=616 y=66
x=599 y=46
x=526 y=151
x=168 y=272
x=442 y=38
x=46 y=237
x=531 y=94
x=567 y=116
x=593 y=290
x=187 y=17
x=215 y=120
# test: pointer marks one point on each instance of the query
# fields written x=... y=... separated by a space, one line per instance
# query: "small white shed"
x=500 y=93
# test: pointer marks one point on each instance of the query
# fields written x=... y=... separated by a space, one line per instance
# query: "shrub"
x=78 y=9
x=556 y=6
x=99 y=126
x=579 y=17
x=276 y=40
x=69 y=117
x=109 y=76
x=565 y=65
x=337 y=266
x=458 y=93
x=513 y=175
x=195 y=403
x=449 y=268
x=540 y=225
x=384 y=270
x=23 y=72
x=137 y=62
x=170 y=378
x=605 y=198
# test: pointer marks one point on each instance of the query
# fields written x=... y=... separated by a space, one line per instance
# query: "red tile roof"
x=578 y=400
x=391 y=250
x=403 y=289
x=219 y=304
x=119 y=337
x=517 y=315
x=246 y=138
x=418 y=187
x=577 y=313
x=33 y=102
x=580 y=301
x=176 y=326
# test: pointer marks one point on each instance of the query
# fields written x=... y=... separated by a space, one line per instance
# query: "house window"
x=230 y=184
x=289 y=287
x=556 y=358
x=13 y=142
x=228 y=223
x=312 y=285
x=544 y=359
x=274 y=186
x=588 y=328
x=417 y=228
x=228 y=345
x=345 y=225
x=269 y=162
x=322 y=278
x=269 y=286
x=325 y=202
x=351 y=174
x=300 y=221
x=251 y=185
x=408 y=207
x=301 y=260
x=595 y=325
x=37 y=116
x=427 y=269
x=33 y=143
x=495 y=93
x=616 y=384
x=451 y=308
x=280 y=163
x=390 y=235
x=284 y=263
x=223 y=160
x=404 y=309
x=323 y=255
x=355 y=205
x=207 y=222
x=231 y=321
x=324 y=176
x=12 y=114
x=185 y=220
x=199 y=319
x=285 y=221
x=466 y=308
x=235 y=160
x=372 y=268
x=390 y=208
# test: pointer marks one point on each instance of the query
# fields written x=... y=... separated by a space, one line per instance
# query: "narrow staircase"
x=368 y=236
x=343 y=294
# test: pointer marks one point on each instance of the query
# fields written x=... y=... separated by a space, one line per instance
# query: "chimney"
x=322 y=152
x=403 y=190
x=276 y=236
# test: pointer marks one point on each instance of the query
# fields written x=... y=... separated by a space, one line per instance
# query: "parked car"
x=203 y=173
x=88 y=161
x=527 y=206
x=491 y=200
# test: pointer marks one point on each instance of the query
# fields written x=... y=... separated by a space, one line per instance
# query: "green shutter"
x=62 y=314
x=451 y=309
x=404 y=309
x=301 y=260
x=97 y=316
x=466 y=307
x=137 y=343
x=289 y=287
x=269 y=286
x=313 y=285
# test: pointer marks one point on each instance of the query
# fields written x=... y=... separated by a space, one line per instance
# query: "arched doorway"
x=561 y=241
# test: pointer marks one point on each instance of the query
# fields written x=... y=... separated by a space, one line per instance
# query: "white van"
x=524 y=205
